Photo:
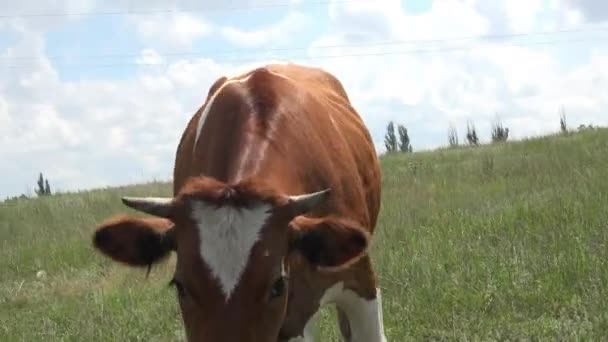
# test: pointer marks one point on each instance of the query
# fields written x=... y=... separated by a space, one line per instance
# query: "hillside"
x=495 y=242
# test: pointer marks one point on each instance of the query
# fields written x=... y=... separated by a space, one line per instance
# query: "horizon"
x=90 y=85
x=445 y=147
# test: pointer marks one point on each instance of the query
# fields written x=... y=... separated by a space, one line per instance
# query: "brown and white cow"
x=276 y=197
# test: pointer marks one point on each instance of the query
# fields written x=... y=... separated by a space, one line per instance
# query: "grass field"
x=504 y=242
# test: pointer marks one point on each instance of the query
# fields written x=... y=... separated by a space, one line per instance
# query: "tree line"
x=400 y=142
x=390 y=139
x=43 y=189
x=395 y=141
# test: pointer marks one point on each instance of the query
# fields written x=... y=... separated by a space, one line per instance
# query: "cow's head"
x=232 y=241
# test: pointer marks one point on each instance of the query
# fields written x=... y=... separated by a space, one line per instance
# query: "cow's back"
x=315 y=140
x=344 y=140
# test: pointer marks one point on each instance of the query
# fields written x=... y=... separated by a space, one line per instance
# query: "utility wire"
x=353 y=45
x=184 y=10
x=320 y=57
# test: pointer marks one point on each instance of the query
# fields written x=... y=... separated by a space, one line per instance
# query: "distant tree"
x=390 y=139
x=44 y=189
x=472 y=137
x=404 y=140
x=40 y=191
x=47 y=187
x=452 y=136
x=583 y=127
x=562 y=120
x=499 y=133
x=16 y=198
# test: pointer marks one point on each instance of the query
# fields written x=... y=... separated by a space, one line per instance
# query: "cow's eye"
x=278 y=288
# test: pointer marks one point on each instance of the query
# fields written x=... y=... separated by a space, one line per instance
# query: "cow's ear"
x=135 y=241
x=329 y=243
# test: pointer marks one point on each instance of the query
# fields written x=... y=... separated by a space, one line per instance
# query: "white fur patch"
x=308 y=333
x=364 y=316
x=227 y=236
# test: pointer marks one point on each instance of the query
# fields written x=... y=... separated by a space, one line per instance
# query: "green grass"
x=504 y=242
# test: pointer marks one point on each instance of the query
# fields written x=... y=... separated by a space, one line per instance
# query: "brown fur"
x=135 y=241
x=330 y=243
x=242 y=194
x=287 y=130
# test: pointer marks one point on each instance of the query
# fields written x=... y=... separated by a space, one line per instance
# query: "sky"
x=96 y=94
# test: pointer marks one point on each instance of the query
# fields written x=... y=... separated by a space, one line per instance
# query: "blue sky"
x=77 y=104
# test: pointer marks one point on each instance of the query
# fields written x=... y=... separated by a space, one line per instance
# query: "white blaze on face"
x=227 y=236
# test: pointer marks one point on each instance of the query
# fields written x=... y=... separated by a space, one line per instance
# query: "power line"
x=354 y=45
x=184 y=10
x=321 y=57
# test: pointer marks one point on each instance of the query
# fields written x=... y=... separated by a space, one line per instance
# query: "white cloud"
x=593 y=10
x=118 y=137
x=387 y=20
x=147 y=5
x=95 y=132
x=99 y=132
x=522 y=85
x=277 y=34
x=196 y=74
x=28 y=12
x=175 y=30
x=149 y=56
x=523 y=16
x=5 y=119
x=33 y=7
x=180 y=29
x=522 y=68
x=582 y=92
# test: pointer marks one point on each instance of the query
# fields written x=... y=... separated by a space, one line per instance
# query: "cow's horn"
x=157 y=206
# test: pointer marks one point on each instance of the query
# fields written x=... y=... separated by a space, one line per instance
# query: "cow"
x=276 y=196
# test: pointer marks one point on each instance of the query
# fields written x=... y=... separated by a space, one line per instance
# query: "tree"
x=390 y=140
x=40 y=191
x=562 y=120
x=44 y=188
x=472 y=134
x=452 y=136
x=47 y=187
x=499 y=133
x=404 y=140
